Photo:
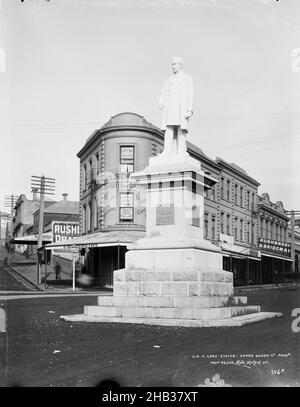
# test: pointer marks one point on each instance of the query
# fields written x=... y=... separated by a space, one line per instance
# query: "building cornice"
x=263 y=207
x=235 y=170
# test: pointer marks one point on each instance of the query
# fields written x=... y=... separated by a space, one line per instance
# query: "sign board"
x=165 y=215
x=126 y=200
x=126 y=213
x=273 y=246
x=63 y=231
x=124 y=226
x=127 y=154
x=226 y=239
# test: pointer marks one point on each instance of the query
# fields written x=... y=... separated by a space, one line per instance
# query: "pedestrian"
x=57 y=269
x=276 y=277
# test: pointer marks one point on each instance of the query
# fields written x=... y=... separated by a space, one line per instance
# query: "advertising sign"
x=126 y=200
x=64 y=230
x=273 y=246
x=127 y=154
x=126 y=213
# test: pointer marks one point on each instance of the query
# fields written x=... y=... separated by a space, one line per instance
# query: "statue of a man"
x=176 y=100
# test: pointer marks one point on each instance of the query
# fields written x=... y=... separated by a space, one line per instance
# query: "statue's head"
x=177 y=64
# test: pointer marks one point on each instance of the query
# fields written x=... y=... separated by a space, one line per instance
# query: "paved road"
x=42 y=350
x=9 y=283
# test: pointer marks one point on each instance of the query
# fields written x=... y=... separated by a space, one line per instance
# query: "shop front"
x=101 y=253
x=246 y=270
x=276 y=260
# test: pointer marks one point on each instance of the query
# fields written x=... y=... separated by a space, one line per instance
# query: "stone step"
x=191 y=323
x=170 y=301
x=169 y=313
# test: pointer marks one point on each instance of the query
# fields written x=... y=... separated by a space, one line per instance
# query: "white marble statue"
x=176 y=101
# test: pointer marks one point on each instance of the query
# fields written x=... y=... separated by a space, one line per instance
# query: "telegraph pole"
x=10 y=202
x=44 y=186
x=292 y=215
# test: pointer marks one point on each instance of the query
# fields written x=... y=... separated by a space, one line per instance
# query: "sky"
x=67 y=66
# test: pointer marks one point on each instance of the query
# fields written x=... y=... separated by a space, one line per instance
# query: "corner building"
x=113 y=212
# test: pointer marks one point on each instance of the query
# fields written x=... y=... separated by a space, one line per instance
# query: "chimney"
x=34 y=194
x=65 y=196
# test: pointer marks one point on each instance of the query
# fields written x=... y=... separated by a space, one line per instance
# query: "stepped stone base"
x=191 y=323
x=184 y=294
x=198 y=296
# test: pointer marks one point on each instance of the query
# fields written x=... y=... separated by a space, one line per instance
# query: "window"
x=248 y=232
x=248 y=200
x=235 y=194
x=261 y=227
x=236 y=228
x=272 y=230
x=84 y=219
x=213 y=228
x=253 y=202
x=222 y=222
x=126 y=207
x=228 y=225
x=97 y=163
x=213 y=194
x=228 y=190
x=127 y=159
x=89 y=216
x=252 y=233
x=222 y=188
x=241 y=229
x=95 y=213
x=285 y=235
x=241 y=196
x=84 y=177
x=206 y=225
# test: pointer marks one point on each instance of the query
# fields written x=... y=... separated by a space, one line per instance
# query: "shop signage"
x=273 y=246
x=127 y=154
x=64 y=230
x=124 y=226
x=126 y=213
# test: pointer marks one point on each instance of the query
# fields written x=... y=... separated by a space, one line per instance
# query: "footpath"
x=25 y=271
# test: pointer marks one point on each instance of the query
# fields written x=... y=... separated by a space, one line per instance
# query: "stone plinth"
x=173 y=276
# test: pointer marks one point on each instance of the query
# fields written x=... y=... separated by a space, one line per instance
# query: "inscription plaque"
x=165 y=215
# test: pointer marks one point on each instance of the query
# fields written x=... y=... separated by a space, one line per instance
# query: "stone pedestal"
x=173 y=276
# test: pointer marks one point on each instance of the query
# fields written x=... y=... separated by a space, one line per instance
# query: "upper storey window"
x=228 y=190
x=84 y=177
x=126 y=159
x=222 y=188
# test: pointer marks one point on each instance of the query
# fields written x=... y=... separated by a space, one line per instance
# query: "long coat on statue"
x=177 y=98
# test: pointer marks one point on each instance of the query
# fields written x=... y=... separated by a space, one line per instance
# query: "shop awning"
x=239 y=252
x=276 y=257
x=32 y=239
x=100 y=239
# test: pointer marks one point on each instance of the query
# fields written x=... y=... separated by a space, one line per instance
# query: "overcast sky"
x=72 y=64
